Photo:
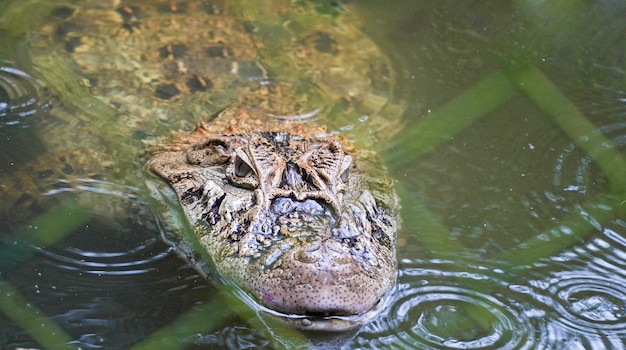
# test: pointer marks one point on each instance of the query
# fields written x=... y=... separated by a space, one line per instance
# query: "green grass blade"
x=43 y=231
x=31 y=319
x=183 y=331
x=427 y=229
x=572 y=229
x=572 y=121
x=439 y=126
x=585 y=219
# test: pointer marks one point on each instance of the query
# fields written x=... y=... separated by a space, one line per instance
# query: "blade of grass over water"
x=588 y=218
x=565 y=114
x=477 y=102
x=571 y=229
x=31 y=319
x=183 y=332
x=429 y=231
x=43 y=231
x=16 y=18
x=441 y=125
x=204 y=319
x=279 y=335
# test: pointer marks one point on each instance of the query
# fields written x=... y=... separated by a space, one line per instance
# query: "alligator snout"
x=300 y=224
x=319 y=278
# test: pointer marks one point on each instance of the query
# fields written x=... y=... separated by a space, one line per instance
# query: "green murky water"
x=511 y=171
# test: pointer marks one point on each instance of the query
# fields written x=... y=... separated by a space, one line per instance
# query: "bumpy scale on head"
x=301 y=223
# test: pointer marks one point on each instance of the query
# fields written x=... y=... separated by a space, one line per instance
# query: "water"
x=513 y=199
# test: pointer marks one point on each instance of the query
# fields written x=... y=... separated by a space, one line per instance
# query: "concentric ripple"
x=443 y=307
x=584 y=296
x=589 y=302
x=120 y=236
x=118 y=239
x=603 y=254
x=462 y=319
x=610 y=249
x=576 y=172
x=111 y=275
x=587 y=309
x=21 y=95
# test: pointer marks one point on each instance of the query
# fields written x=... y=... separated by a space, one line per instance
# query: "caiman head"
x=304 y=223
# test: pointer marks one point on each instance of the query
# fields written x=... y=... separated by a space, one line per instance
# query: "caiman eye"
x=241 y=174
x=345 y=176
x=242 y=169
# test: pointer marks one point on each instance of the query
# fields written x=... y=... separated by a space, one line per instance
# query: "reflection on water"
x=21 y=95
x=441 y=305
x=108 y=278
x=582 y=290
x=514 y=234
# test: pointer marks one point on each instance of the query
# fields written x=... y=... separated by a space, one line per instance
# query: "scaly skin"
x=301 y=220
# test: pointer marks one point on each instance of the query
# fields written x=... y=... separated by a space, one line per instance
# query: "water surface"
x=510 y=168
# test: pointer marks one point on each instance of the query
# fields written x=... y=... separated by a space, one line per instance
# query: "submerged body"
x=300 y=219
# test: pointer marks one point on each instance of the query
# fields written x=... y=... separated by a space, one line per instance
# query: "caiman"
x=290 y=211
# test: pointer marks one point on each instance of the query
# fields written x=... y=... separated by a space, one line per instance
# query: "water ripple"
x=139 y=260
x=586 y=309
x=604 y=255
x=443 y=314
x=584 y=294
x=614 y=243
x=120 y=237
x=590 y=302
x=576 y=172
x=442 y=306
x=21 y=95
x=111 y=276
